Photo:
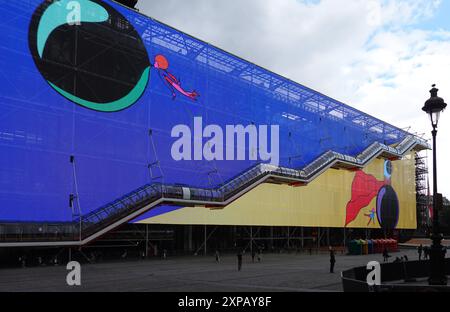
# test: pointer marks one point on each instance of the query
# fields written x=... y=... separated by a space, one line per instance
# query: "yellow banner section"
x=334 y=199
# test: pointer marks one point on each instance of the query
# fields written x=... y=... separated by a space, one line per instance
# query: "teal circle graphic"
x=89 y=53
x=387 y=169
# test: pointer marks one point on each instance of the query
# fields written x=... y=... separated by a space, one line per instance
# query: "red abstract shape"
x=161 y=62
x=364 y=188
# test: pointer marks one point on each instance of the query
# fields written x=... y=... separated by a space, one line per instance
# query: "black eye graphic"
x=387 y=208
x=99 y=63
x=387 y=169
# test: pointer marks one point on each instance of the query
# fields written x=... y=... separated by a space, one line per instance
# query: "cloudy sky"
x=379 y=56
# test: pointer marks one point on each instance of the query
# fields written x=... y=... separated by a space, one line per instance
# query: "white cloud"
x=369 y=54
x=406 y=12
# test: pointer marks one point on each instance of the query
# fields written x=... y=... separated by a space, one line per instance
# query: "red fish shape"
x=365 y=187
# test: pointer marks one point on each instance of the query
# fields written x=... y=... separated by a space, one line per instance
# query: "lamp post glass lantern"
x=433 y=107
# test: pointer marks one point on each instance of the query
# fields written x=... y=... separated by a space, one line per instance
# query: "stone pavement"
x=416 y=242
x=276 y=272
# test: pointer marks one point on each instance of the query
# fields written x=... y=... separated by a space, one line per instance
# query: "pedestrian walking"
x=426 y=252
x=332 y=260
x=23 y=261
x=386 y=255
x=253 y=255
x=239 y=258
x=217 y=256
x=420 y=250
x=259 y=254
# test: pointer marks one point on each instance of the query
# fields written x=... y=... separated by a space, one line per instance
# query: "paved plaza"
x=277 y=272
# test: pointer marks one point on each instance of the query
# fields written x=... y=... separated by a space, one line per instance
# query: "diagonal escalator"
x=100 y=221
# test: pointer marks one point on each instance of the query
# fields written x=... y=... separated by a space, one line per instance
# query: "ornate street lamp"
x=433 y=107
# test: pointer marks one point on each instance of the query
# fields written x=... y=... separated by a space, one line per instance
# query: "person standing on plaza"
x=239 y=257
x=217 y=256
x=420 y=250
x=332 y=260
x=426 y=252
x=385 y=255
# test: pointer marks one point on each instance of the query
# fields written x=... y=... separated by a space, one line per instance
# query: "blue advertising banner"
x=97 y=100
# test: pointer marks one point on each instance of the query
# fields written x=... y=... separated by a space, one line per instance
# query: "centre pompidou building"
x=110 y=118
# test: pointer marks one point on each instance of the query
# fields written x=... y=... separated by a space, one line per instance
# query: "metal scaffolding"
x=422 y=192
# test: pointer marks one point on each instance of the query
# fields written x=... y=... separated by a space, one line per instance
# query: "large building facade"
x=109 y=117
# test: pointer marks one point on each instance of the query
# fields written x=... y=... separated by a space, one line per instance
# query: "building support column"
x=187 y=237
x=345 y=238
x=146 y=241
x=318 y=239
x=251 y=240
x=205 y=239
x=288 y=237
x=271 y=238
x=303 y=238
x=190 y=244
x=328 y=236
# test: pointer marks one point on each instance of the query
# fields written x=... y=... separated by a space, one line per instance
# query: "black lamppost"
x=434 y=106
